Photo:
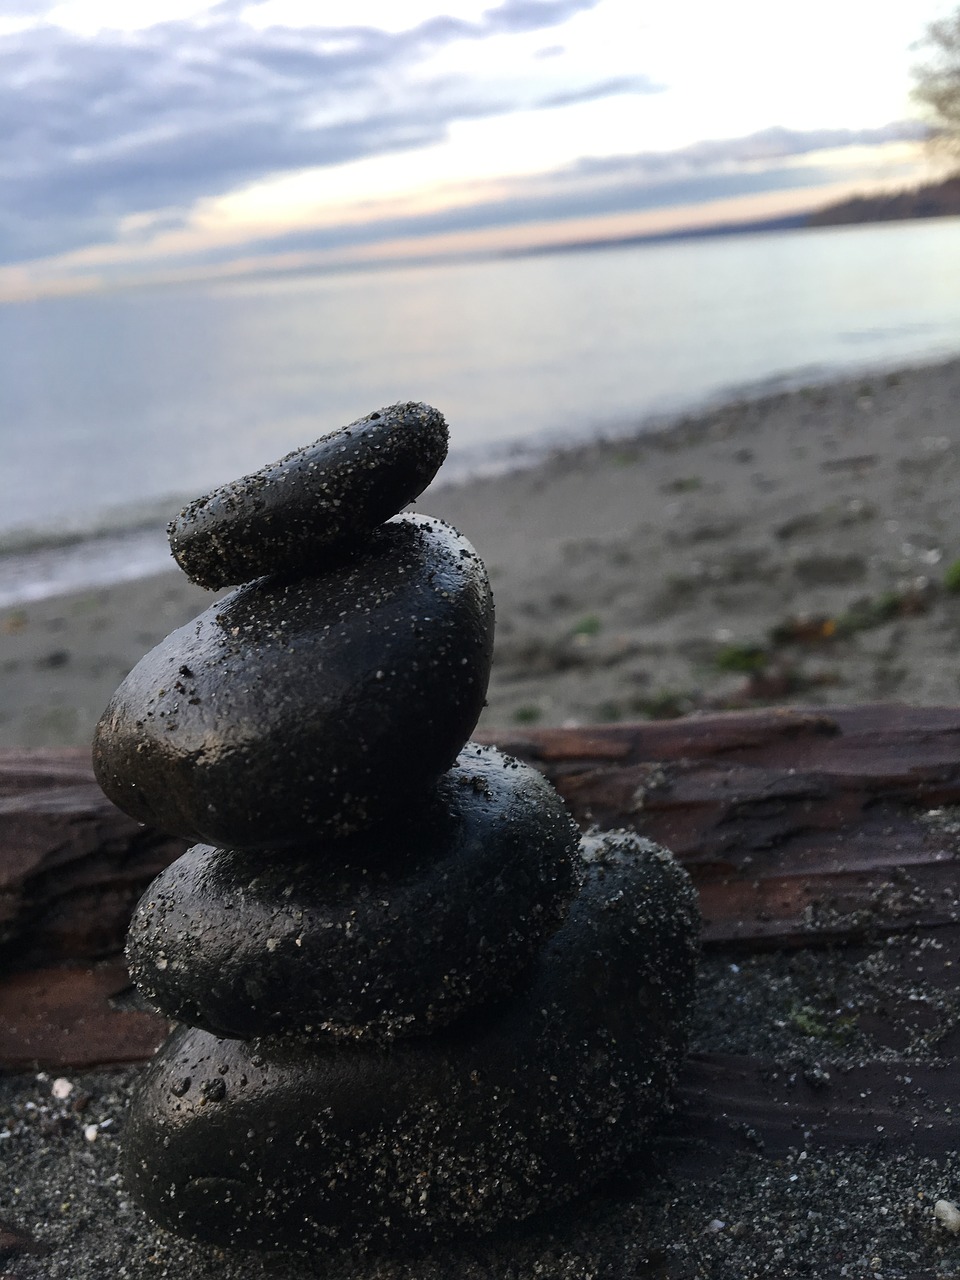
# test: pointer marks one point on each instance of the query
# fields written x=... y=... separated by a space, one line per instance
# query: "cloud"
x=98 y=128
x=602 y=89
x=26 y=8
x=704 y=172
x=756 y=148
x=532 y=15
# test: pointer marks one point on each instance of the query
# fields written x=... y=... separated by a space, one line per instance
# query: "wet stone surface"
x=285 y=1143
x=281 y=518
x=815 y=1212
x=319 y=705
x=416 y=1005
x=395 y=932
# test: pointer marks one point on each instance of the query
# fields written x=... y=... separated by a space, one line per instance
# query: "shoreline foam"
x=641 y=575
x=95 y=548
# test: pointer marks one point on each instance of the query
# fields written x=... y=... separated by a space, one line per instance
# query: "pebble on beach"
x=317 y=706
x=289 y=515
x=282 y=1143
x=395 y=932
x=947 y=1214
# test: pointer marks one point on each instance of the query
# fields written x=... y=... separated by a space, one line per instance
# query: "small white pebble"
x=61 y=1088
x=715 y=1225
x=91 y=1132
x=948 y=1215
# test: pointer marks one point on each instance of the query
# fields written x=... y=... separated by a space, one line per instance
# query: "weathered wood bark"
x=730 y=1101
x=800 y=828
x=65 y=1017
x=71 y=865
x=797 y=826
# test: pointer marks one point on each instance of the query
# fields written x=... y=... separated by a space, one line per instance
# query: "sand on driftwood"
x=814 y=1130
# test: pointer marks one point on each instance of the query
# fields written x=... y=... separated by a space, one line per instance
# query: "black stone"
x=508 y=1111
x=282 y=517
x=394 y=932
x=315 y=706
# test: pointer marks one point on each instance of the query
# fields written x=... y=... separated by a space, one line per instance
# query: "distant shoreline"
x=932 y=200
x=789 y=222
x=925 y=203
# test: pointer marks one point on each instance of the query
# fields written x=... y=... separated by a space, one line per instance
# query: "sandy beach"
x=788 y=549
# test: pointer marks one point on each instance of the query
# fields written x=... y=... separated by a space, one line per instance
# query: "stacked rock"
x=414 y=1004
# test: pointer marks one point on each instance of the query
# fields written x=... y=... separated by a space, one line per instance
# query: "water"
x=116 y=407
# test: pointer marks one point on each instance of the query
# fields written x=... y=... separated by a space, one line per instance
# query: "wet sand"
x=675 y=1211
x=786 y=549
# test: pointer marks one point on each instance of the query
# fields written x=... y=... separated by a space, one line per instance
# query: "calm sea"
x=115 y=407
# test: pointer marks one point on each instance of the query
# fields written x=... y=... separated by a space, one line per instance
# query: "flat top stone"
x=313 y=500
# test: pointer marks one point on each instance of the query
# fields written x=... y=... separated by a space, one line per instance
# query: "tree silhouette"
x=938 y=83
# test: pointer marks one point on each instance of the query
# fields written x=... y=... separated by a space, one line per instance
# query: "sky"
x=159 y=140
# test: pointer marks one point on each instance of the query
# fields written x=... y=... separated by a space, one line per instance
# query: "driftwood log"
x=800 y=828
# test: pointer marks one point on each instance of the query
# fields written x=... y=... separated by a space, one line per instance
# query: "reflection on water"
x=120 y=397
